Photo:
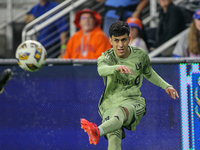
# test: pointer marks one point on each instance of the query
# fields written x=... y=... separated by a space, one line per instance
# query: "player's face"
x=197 y=24
x=87 y=22
x=120 y=45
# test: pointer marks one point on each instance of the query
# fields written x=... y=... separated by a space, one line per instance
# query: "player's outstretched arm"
x=172 y=92
x=124 y=69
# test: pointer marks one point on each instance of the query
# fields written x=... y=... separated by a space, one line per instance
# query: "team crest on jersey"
x=138 y=66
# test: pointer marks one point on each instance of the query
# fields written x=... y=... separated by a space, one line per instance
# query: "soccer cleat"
x=4 y=78
x=92 y=131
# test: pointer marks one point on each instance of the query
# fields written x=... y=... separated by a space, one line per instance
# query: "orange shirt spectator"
x=90 y=41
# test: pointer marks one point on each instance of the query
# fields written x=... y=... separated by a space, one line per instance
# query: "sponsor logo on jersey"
x=135 y=81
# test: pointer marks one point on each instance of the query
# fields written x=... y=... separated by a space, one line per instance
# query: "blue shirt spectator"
x=121 y=10
x=54 y=33
x=118 y=3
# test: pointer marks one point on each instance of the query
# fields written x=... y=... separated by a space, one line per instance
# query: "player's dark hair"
x=119 y=28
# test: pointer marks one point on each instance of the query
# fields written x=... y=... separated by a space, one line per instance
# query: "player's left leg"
x=114 y=140
x=4 y=78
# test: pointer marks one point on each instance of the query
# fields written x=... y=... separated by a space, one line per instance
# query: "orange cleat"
x=92 y=131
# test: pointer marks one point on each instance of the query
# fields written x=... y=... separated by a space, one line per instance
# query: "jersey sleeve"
x=152 y=76
x=105 y=67
x=147 y=64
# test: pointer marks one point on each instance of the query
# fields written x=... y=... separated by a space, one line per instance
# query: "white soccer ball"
x=31 y=55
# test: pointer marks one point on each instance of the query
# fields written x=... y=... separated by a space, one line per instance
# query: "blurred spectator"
x=189 y=42
x=121 y=10
x=53 y=35
x=171 y=22
x=90 y=41
x=136 y=33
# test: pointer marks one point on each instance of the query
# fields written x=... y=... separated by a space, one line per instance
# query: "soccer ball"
x=31 y=55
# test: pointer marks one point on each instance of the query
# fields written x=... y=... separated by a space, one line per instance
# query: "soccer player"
x=5 y=76
x=121 y=105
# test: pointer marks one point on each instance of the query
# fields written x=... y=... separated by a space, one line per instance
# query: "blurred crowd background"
x=14 y=27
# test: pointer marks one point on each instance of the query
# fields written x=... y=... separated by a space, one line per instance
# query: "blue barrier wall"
x=42 y=110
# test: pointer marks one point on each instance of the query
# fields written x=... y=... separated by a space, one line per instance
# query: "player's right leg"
x=4 y=78
x=113 y=120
